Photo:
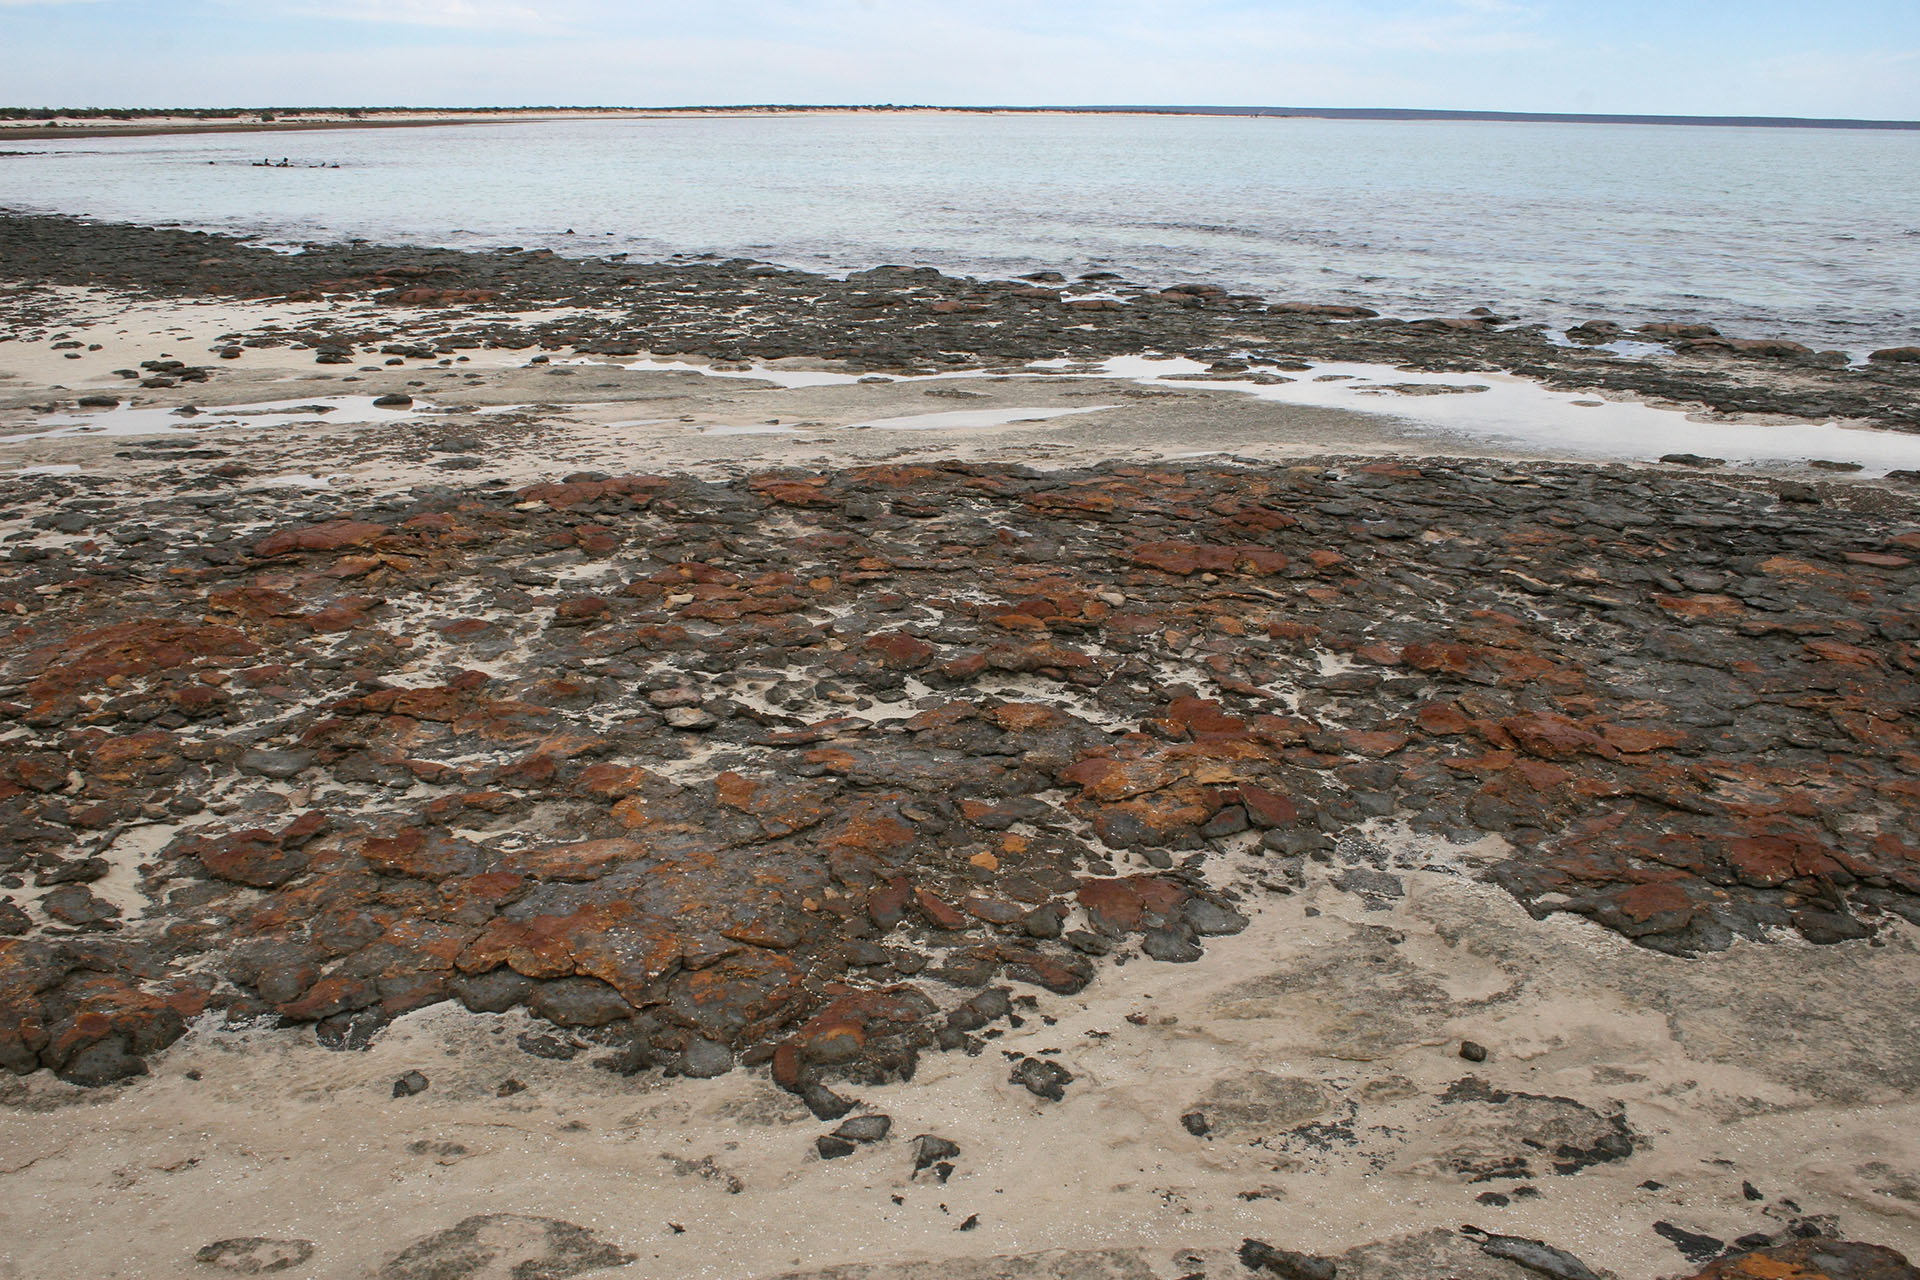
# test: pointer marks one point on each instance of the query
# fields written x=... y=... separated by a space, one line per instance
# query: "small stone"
x=1088 y=943
x=865 y=1128
x=1695 y=1246
x=1195 y=1123
x=1472 y=1051
x=409 y=1085
x=1048 y=1080
x=691 y=719
x=279 y=765
x=704 y=1059
x=1794 y=491
x=76 y=905
x=1210 y=919
x=1534 y=1255
x=394 y=400
x=824 y=1102
x=1171 y=946
x=929 y=1151
x=832 y=1148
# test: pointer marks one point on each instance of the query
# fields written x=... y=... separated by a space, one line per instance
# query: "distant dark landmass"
x=129 y=119
x=1523 y=117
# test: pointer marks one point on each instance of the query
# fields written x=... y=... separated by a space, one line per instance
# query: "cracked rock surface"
x=793 y=766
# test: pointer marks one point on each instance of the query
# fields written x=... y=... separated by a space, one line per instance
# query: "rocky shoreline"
x=841 y=773
x=905 y=318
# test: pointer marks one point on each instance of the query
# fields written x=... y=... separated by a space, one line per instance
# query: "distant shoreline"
x=291 y=120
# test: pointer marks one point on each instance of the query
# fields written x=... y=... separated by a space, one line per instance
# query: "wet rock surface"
x=894 y=318
x=312 y=764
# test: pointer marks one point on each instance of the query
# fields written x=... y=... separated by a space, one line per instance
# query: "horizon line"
x=1333 y=113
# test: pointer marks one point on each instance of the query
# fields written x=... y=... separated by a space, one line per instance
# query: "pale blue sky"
x=1708 y=57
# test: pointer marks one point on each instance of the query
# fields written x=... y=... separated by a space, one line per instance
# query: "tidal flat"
x=697 y=768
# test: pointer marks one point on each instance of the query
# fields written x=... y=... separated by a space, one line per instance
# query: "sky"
x=1846 y=58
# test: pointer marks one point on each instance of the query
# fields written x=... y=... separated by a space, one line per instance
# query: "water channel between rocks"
x=1502 y=410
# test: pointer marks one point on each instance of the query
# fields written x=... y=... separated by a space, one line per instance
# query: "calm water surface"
x=1808 y=234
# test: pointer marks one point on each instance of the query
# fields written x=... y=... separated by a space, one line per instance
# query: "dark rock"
x=929 y=1152
x=501 y=1244
x=75 y=904
x=1692 y=1244
x=1174 y=946
x=551 y=1047
x=1473 y=1051
x=1811 y=1259
x=824 y=1102
x=832 y=1148
x=1210 y=919
x=1794 y=491
x=1043 y=1079
x=254 y=1255
x=869 y=1128
x=1258 y=1255
x=578 y=1002
x=280 y=765
x=493 y=992
x=1535 y=1255
x=704 y=1059
x=410 y=1085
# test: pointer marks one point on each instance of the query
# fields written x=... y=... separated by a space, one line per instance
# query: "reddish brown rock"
x=935 y=701
x=1182 y=558
x=1125 y=903
x=1817 y=1259
x=335 y=535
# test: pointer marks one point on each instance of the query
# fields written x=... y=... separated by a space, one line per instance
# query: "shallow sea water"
x=1807 y=234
